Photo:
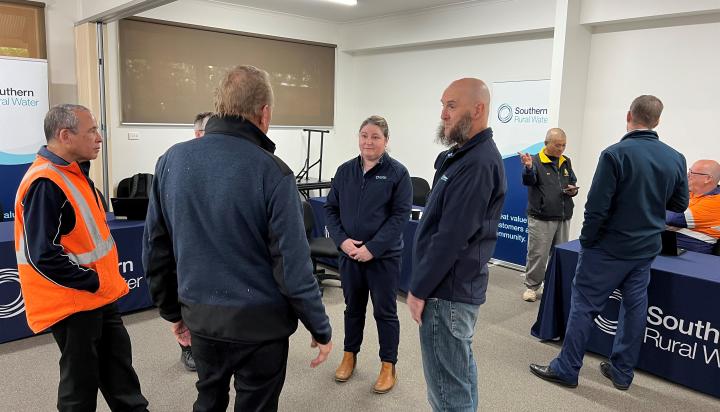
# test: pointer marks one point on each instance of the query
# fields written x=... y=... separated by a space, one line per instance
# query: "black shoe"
x=606 y=370
x=186 y=358
x=544 y=372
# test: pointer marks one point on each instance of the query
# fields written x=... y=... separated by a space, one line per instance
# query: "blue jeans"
x=597 y=275
x=446 y=342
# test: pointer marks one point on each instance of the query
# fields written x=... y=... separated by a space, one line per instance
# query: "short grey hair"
x=554 y=133
x=378 y=121
x=244 y=91
x=201 y=120
x=62 y=116
x=646 y=110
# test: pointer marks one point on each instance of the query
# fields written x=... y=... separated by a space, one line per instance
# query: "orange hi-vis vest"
x=89 y=244
x=703 y=217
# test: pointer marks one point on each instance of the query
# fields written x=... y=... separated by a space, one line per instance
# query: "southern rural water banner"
x=23 y=104
x=519 y=119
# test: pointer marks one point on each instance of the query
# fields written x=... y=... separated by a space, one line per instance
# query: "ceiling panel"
x=365 y=9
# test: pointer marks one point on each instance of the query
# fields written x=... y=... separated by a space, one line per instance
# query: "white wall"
x=571 y=51
x=134 y=156
x=678 y=64
x=464 y=21
x=90 y=8
x=405 y=86
x=60 y=17
x=596 y=12
x=388 y=60
x=398 y=66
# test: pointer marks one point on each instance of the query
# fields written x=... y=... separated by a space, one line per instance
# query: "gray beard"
x=458 y=134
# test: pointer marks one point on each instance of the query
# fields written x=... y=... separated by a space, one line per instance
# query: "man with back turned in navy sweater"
x=635 y=181
x=453 y=243
x=186 y=356
x=225 y=252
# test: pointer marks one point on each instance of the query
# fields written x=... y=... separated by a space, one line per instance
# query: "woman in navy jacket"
x=367 y=208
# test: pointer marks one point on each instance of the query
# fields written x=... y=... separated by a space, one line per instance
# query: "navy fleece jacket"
x=457 y=234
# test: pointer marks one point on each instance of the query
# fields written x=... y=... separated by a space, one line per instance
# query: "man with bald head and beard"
x=453 y=243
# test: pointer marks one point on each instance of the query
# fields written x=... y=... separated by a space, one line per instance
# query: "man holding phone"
x=551 y=187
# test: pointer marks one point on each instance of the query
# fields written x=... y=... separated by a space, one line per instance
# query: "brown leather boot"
x=387 y=378
x=346 y=368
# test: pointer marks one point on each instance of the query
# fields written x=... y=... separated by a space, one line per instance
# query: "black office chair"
x=138 y=185
x=421 y=190
x=102 y=199
x=320 y=247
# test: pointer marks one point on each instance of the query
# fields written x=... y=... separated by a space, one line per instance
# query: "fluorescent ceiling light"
x=345 y=2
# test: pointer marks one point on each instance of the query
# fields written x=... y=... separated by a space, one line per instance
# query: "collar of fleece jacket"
x=239 y=127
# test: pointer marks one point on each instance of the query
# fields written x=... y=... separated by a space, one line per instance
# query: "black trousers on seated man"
x=258 y=369
x=96 y=353
x=379 y=278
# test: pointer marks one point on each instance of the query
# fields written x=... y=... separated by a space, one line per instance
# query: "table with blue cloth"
x=319 y=230
x=682 y=334
x=128 y=238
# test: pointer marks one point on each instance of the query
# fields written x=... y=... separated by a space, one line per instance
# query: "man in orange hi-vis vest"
x=698 y=226
x=68 y=267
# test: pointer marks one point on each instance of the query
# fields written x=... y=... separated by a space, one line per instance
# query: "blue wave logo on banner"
x=16 y=159
x=505 y=113
x=12 y=306
x=534 y=149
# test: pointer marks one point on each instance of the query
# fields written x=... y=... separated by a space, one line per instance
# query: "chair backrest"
x=138 y=185
x=102 y=200
x=308 y=218
x=421 y=189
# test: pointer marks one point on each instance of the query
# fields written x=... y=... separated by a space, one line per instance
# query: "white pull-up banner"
x=519 y=119
x=23 y=105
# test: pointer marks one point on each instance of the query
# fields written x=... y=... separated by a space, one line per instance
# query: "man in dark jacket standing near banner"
x=550 y=180
x=453 y=243
x=225 y=251
x=635 y=181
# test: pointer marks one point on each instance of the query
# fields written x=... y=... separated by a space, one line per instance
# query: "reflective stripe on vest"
x=21 y=253
x=698 y=235
x=102 y=246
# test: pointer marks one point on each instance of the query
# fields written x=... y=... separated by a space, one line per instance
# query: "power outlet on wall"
x=133 y=136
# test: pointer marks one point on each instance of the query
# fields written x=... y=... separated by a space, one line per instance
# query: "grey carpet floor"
x=503 y=349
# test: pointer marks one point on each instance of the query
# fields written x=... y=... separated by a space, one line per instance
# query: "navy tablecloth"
x=682 y=336
x=128 y=238
x=317 y=204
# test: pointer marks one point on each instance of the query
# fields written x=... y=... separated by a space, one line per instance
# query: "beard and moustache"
x=458 y=134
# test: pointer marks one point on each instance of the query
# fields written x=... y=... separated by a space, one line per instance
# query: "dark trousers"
x=96 y=353
x=597 y=275
x=379 y=279
x=258 y=369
